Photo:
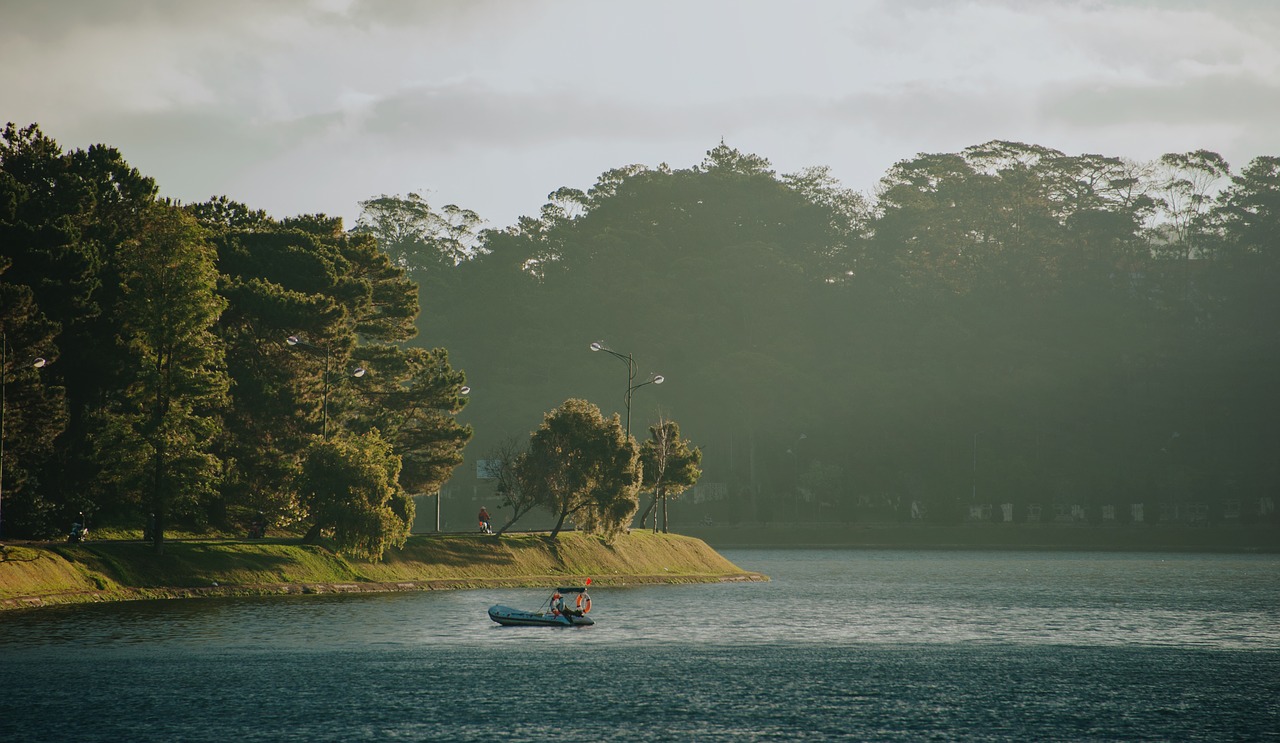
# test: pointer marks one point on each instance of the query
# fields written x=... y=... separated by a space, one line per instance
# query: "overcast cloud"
x=300 y=106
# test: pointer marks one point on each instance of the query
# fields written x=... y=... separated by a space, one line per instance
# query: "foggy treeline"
x=1006 y=324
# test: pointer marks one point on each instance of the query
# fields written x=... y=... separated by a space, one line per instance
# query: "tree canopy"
x=350 y=485
x=1008 y=323
x=582 y=465
x=1067 y=311
x=197 y=357
x=670 y=466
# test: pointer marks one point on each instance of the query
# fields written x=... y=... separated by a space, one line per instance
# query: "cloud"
x=491 y=104
x=451 y=116
x=56 y=22
x=1245 y=102
x=1233 y=116
x=457 y=15
x=198 y=153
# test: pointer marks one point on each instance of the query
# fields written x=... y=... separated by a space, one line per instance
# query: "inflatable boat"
x=557 y=612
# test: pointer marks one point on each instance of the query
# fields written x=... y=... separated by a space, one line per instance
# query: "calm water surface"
x=840 y=645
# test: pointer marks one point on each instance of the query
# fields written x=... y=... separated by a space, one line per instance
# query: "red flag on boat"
x=588 y=581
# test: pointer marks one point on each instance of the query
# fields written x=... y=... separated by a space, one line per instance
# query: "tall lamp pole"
x=464 y=390
x=631 y=377
x=4 y=382
x=359 y=371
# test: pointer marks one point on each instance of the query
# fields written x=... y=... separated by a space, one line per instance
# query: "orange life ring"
x=580 y=604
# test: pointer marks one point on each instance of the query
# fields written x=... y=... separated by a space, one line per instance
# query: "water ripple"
x=840 y=645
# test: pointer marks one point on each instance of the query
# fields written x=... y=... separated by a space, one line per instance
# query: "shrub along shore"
x=41 y=574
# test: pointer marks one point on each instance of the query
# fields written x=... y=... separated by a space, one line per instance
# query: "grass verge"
x=46 y=574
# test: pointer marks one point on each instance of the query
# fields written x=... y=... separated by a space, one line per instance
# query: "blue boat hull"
x=505 y=615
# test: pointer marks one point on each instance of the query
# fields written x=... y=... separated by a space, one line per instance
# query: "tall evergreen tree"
x=413 y=396
x=63 y=217
x=156 y=433
x=32 y=412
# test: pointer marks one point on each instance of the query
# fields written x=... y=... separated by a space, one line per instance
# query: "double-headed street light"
x=36 y=363
x=359 y=371
x=631 y=377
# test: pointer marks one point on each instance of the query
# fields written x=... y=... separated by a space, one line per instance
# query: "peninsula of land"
x=44 y=574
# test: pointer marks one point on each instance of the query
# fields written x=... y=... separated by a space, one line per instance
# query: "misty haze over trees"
x=1006 y=324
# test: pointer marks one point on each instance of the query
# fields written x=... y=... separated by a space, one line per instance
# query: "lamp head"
x=292 y=340
x=39 y=362
x=659 y=379
x=359 y=371
x=597 y=345
x=464 y=391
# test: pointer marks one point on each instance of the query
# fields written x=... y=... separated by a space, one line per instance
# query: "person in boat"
x=563 y=607
x=557 y=604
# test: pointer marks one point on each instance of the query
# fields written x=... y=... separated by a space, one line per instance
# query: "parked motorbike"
x=79 y=533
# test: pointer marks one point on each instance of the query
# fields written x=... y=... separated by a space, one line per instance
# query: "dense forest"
x=1066 y=334
x=206 y=366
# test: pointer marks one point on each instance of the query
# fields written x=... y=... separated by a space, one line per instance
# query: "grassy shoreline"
x=35 y=575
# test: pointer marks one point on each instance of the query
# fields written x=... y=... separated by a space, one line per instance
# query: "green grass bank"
x=33 y=575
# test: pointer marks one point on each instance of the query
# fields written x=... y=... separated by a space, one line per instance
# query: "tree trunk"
x=159 y=501
x=514 y=518
x=313 y=535
x=665 y=529
x=559 y=523
x=159 y=498
x=157 y=534
x=161 y=521
x=644 y=517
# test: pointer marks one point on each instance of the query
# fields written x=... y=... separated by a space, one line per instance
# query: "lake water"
x=840 y=645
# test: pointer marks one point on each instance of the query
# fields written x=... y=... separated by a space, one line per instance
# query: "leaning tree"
x=581 y=465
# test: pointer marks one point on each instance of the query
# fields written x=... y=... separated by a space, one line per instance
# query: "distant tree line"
x=206 y=366
x=1004 y=324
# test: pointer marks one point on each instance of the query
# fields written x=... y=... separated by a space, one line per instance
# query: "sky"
x=306 y=106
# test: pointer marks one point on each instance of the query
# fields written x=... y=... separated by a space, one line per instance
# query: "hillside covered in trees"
x=1008 y=324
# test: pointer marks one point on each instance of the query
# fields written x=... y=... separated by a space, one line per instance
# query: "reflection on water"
x=815 y=596
x=868 y=644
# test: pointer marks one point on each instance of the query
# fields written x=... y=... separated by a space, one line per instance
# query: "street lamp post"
x=794 y=451
x=464 y=390
x=359 y=371
x=4 y=381
x=631 y=377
